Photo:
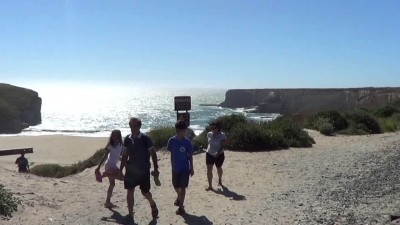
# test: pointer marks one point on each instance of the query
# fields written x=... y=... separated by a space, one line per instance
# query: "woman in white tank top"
x=114 y=150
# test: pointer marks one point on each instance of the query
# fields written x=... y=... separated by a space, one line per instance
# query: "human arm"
x=154 y=158
x=222 y=146
x=191 y=165
x=103 y=158
x=190 y=157
x=124 y=159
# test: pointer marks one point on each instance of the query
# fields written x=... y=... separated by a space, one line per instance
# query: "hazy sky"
x=202 y=43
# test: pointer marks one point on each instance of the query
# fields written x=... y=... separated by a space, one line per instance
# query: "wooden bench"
x=16 y=151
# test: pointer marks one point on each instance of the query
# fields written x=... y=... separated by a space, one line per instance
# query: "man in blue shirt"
x=182 y=163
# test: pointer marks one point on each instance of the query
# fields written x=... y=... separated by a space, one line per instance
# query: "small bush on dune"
x=390 y=124
x=325 y=128
x=201 y=139
x=244 y=135
x=291 y=131
x=57 y=171
x=386 y=111
x=333 y=117
x=355 y=129
x=228 y=122
x=8 y=203
x=253 y=137
x=50 y=170
x=363 y=121
x=160 y=136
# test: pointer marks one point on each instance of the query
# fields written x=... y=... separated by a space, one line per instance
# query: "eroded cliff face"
x=290 y=101
x=19 y=108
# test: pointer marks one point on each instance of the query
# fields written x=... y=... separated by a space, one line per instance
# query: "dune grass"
x=58 y=171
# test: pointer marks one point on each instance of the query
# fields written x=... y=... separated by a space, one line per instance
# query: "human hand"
x=191 y=172
x=121 y=175
x=155 y=173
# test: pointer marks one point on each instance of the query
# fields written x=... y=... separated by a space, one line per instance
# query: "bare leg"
x=182 y=197
x=130 y=199
x=153 y=206
x=177 y=193
x=209 y=176
x=109 y=192
x=220 y=172
x=149 y=198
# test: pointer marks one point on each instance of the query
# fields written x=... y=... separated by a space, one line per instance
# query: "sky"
x=202 y=43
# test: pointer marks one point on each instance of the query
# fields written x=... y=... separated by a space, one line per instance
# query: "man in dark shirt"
x=23 y=164
x=136 y=160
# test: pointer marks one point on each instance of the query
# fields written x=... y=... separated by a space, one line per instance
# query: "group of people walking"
x=136 y=150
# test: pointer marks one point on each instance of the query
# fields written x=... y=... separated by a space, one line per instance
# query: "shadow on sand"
x=230 y=194
x=117 y=218
x=196 y=220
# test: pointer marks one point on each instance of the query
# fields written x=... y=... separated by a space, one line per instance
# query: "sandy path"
x=341 y=180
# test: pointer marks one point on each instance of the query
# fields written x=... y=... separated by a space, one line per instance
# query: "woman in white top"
x=114 y=150
x=215 y=153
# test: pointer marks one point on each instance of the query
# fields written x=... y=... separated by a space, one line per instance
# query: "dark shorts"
x=218 y=161
x=180 y=179
x=132 y=180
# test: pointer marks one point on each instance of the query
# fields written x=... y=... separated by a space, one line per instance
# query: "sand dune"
x=341 y=180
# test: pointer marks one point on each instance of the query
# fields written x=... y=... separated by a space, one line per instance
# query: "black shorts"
x=180 y=179
x=218 y=161
x=132 y=180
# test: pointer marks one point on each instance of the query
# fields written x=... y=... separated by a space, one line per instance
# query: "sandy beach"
x=340 y=180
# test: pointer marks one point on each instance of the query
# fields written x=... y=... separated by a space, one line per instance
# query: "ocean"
x=95 y=110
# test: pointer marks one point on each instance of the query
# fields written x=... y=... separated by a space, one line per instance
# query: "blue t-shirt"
x=180 y=150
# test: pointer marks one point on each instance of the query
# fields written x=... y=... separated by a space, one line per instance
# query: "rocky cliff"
x=19 y=108
x=290 y=101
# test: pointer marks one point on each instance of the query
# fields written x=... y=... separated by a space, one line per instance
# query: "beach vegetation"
x=324 y=126
x=249 y=135
x=161 y=135
x=58 y=171
x=363 y=121
x=390 y=124
x=8 y=203
x=320 y=120
x=386 y=111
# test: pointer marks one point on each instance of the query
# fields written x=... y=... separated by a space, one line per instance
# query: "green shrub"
x=57 y=171
x=333 y=117
x=325 y=128
x=390 y=124
x=355 y=129
x=386 y=111
x=253 y=137
x=227 y=124
x=361 y=123
x=244 y=135
x=361 y=120
x=201 y=139
x=8 y=203
x=291 y=131
x=160 y=136
x=230 y=121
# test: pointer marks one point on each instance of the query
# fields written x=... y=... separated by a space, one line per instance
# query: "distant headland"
x=19 y=108
x=310 y=100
